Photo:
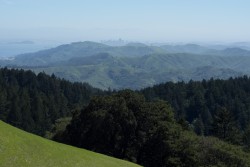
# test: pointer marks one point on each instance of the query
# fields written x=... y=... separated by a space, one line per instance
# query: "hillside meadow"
x=21 y=149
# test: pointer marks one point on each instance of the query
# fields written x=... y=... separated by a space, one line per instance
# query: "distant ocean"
x=11 y=49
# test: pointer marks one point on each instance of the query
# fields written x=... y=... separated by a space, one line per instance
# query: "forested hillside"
x=104 y=70
x=33 y=102
x=215 y=107
x=195 y=125
x=125 y=126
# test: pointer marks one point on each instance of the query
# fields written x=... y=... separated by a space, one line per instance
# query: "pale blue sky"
x=138 y=20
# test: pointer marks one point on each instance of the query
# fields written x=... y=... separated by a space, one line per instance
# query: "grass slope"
x=21 y=149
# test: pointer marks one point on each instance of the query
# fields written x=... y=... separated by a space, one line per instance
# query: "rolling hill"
x=80 y=49
x=104 y=70
x=84 y=49
x=134 y=65
x=21 y=149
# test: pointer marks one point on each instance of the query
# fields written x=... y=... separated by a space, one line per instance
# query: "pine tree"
x=224 y=126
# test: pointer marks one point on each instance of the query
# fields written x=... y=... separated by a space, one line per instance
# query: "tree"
x=198 y=126
x=224 y=126
x=246 y=138
x=107 y=125
x=4 y=109
x=123 y=125
x=15 y=115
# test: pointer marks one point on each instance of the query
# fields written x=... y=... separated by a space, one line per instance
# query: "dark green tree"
x=225 y=127
x=198 y=126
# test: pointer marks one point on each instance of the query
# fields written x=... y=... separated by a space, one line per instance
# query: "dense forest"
x=173 y=124
x=126 y=126
x=33 y=102
x=215 y=107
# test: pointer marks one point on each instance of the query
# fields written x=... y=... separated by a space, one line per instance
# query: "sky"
x=134 y=20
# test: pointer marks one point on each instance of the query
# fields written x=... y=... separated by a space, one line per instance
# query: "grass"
x=21 y=149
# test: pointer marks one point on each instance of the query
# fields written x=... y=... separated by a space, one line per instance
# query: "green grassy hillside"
x=21 y=149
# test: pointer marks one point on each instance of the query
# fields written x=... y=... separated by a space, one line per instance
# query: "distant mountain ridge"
x=104 y=71
x=84 y=49
x=135 y=65
x=81 y=49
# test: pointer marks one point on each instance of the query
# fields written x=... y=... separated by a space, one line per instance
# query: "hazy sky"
x=138 y=20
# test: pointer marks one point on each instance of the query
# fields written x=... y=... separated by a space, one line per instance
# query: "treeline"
x=33 y=102
x=215 y=107
x=125 y=126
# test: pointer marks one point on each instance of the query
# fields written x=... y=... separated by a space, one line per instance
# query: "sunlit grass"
x=22 y=149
